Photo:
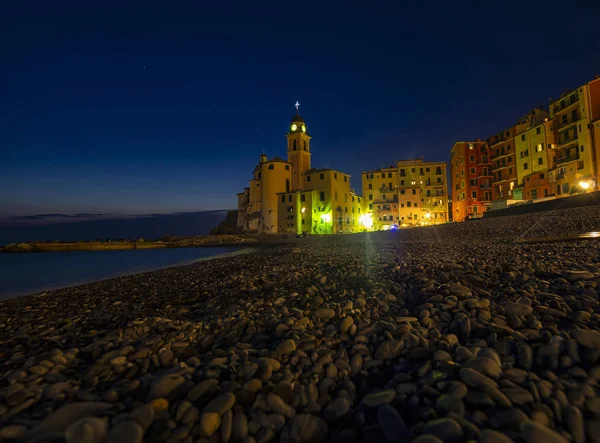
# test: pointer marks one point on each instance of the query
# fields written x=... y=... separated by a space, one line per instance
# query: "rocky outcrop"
x=228 y=226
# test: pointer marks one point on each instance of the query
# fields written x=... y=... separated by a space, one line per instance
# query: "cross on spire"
x=297 y=105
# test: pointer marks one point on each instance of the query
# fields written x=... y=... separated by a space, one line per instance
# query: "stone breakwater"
x=429 y=335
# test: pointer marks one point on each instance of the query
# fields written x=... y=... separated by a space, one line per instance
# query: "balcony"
x=559 y=107
x=485 y=186
x=566 y=142
x=565 y=125
x=566 y=159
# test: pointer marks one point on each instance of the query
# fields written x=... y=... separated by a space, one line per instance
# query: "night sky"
x=162 y=107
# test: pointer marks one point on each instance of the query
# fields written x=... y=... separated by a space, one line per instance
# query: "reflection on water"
x=22 y=274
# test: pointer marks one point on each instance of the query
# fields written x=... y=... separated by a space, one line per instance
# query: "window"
x=413 y=182
x=461 y=160
x=414 y=192
x=525 y=166
x=305 y=145
x=472 y=170
x=401 y=182
x=539 y=148
x=523 y=138
x=541 y=176
x=345 y=178
x=538 y=130
x=413 y=170
x=370 y=206
x=390 y=186
x=287 y=167
x=580 y=149
x=439 y=179
x=574 y=115
x=534 y=194
x=473 y=182
x=370 y=196
x=290 y=198
x=402 y=173
x=271 y=166
x=287 y=185
x=471 y=158
x=370 y=185
x=308 y=178
x=402 y=191
x=427 y=170
x=438 y=170
x=389 y=175
x=302 y=197
x=509 y=171
x=474 y=194
x=322 y=196
x=335 y=175
x=283 y=199
x=294 y=145
x=540 y=161
x=322 y=176
x=408 y=204
x=290 y=209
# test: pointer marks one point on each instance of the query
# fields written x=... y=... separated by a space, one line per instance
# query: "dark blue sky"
x=159 y=107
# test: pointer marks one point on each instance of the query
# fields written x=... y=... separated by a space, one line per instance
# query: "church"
x=289 y=196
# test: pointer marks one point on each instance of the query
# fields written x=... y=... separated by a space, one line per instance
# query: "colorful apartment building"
x=380 y=190
x=471 y=179
x=534 y=149
x=576 y=159
x=410 y=193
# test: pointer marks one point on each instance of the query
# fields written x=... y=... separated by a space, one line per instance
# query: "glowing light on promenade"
x=366 y=220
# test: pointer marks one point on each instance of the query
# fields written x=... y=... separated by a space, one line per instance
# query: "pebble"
x=534 y=432
x=220 y=404
x=392 y=425
x=336 y=409
x=127 y=430
x=446 y=429
x=304 y=428
x=209 y=423
x=379 y=398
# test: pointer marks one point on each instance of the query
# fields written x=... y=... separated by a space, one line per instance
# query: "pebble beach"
x=447 y=333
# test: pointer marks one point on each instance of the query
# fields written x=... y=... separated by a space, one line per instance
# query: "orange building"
x=536 y=186
x=471 y=179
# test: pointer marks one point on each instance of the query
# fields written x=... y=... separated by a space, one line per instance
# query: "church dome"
x=297 y=119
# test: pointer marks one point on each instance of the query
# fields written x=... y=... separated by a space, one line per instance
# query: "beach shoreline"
x=451 y=332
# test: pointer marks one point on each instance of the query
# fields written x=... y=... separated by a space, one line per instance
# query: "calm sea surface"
x=22 y=274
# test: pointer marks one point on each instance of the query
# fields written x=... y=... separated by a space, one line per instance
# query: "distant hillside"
x=154 y=226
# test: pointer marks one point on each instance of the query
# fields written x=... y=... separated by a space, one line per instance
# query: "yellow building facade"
x=409 y=193
x=573 y=115
x=292 y=197
x=534 y=153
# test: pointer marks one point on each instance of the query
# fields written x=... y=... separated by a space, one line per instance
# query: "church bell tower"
x=298 y=149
